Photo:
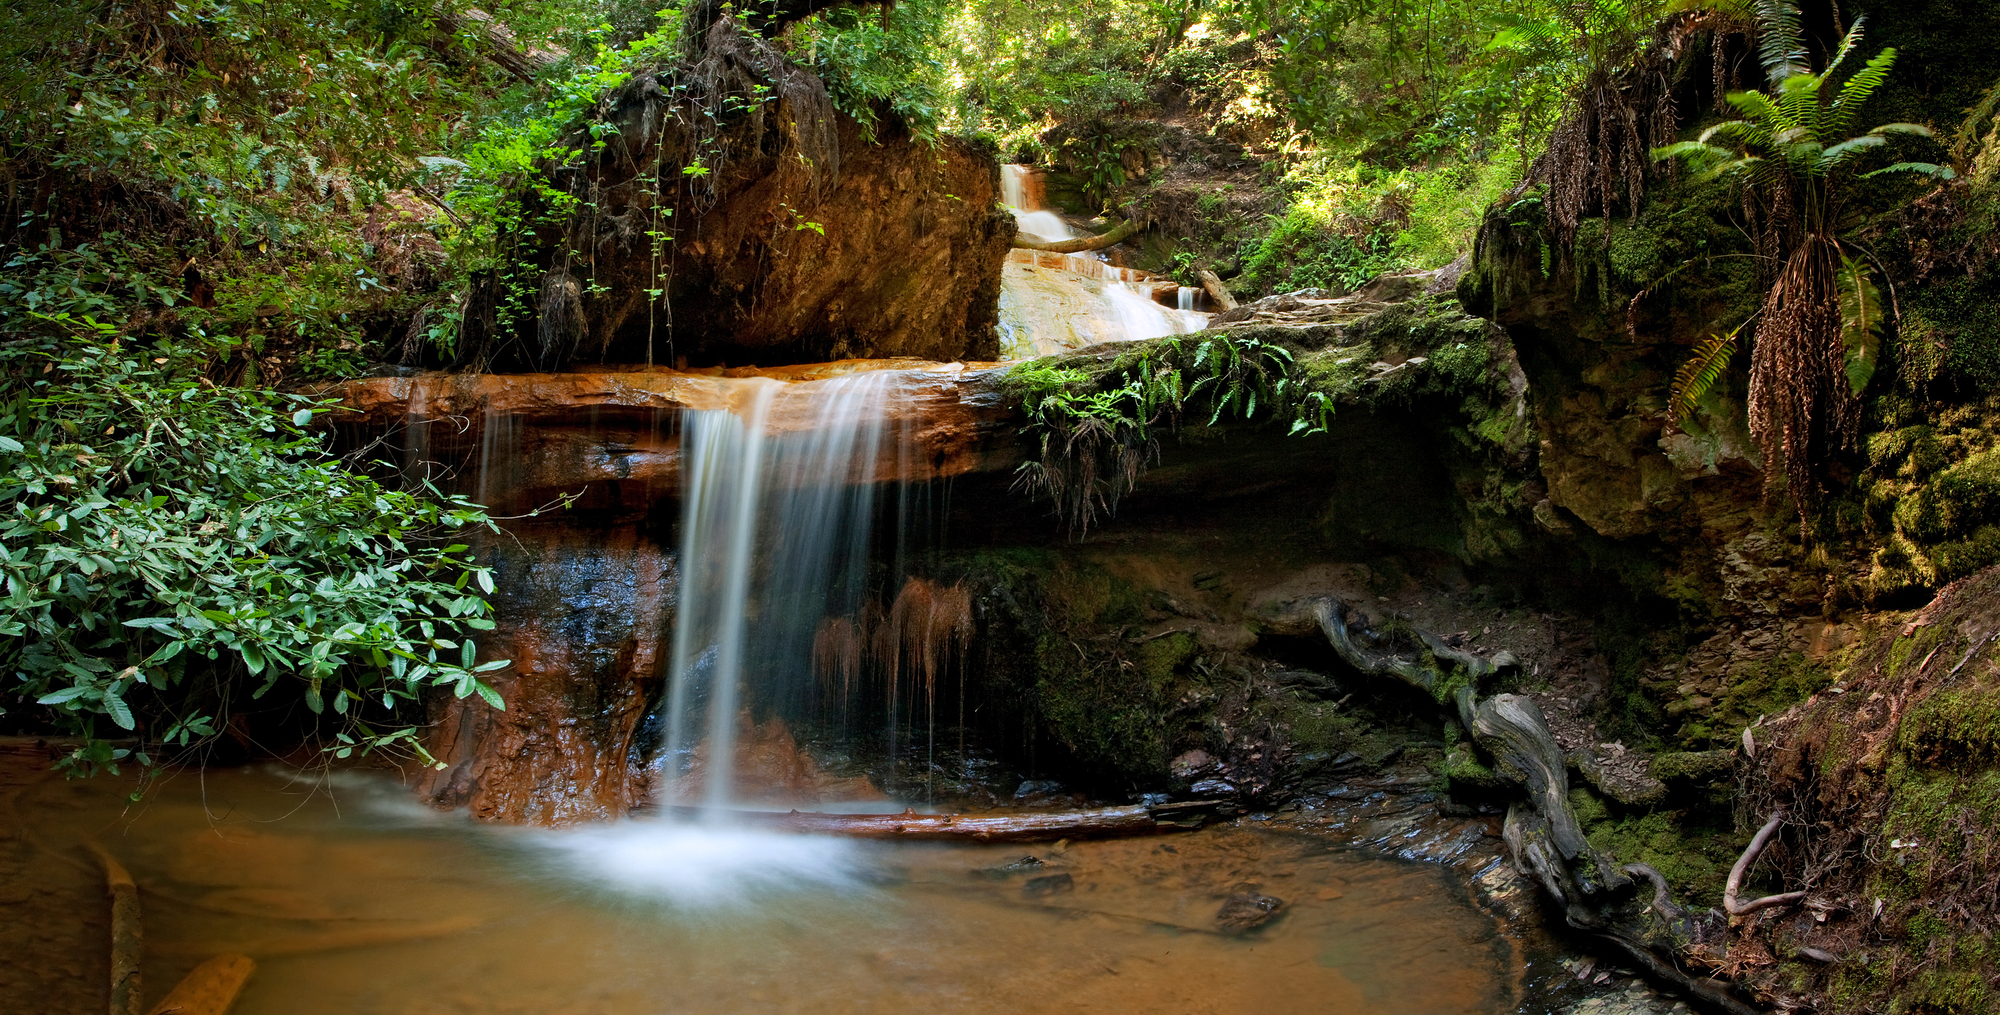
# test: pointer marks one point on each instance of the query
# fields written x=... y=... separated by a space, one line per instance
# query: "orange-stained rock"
x=516 y=441
x=770 y=772
x=585 y=616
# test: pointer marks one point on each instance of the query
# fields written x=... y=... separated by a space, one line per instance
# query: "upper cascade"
x=1054 y=302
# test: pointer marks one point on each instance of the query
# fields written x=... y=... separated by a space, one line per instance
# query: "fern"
x=1860 y=322
x=1697 y=377
x=1781 y=45
x=1975 y=152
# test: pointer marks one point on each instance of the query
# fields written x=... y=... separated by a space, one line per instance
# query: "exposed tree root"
x=1117 y=234
x=1596 y=893
x=1750 y=853
x=1105 y=822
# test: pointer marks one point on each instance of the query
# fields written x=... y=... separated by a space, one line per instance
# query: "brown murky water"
x=356 y=901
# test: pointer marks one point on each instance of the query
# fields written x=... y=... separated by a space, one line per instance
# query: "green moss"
x=1694 y=857
x=1961 y=499
x=1161 y=658
x=1754 y=689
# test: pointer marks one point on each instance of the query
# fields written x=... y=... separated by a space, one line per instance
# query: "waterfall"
x=1052 y=302
x=775 y=534
x=1020 y=189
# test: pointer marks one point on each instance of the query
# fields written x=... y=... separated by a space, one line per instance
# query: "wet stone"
x=1246 y=911
x=1046 y=885
x=1024 y=865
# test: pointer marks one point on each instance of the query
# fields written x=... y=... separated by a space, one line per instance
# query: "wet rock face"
x=1600 y=340
x=586 y=619
x=612 y=439
x=776 y=229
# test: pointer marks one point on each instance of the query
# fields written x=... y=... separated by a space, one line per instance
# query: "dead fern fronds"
x=1801 y=406
x=1697 y=377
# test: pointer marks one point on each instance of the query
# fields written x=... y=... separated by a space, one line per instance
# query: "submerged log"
x=127 y=942
x=1017 y=826
x=210 y=989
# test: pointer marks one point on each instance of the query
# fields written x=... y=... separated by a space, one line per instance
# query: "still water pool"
x=354 y=900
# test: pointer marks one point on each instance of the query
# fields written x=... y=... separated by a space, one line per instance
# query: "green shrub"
x=171 y=549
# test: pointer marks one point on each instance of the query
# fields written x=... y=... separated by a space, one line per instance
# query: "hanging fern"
x=1698 y=375
x=1860 y=322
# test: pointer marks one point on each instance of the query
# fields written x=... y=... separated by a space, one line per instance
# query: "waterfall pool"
x=353 y=899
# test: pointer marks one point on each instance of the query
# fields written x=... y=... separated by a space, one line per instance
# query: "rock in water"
x=1246 y=911
x=1024 y=865
x=1047 y=884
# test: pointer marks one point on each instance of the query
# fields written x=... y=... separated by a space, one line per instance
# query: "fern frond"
x=1860 y=321
x=1698 y=375
x=1837 y=155
x=1930 y=169
x=1760 y=114
x=1847 y=47
x=1857 y=89
x=1969 y=152
x=1781 y=45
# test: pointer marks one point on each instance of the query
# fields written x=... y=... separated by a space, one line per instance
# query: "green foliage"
x=874 y=64
x=1095 y=436
x=172 y=550
x=1792 y=153
x=1797 y=134
x=1306 y=251
x=1698 y=375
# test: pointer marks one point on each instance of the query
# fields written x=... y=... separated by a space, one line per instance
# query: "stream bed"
x=354 y=899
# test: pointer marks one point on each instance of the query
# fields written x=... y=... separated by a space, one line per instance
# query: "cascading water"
x=1020 y=189
x=1052 y=302
x=775 y=533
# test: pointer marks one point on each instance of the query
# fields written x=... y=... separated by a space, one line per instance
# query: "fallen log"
x=127 y=941
x=1213 y=283
x=1117 y=234
x=1014 y=826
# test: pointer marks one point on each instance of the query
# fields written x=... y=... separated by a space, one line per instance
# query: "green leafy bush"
x=171 y=549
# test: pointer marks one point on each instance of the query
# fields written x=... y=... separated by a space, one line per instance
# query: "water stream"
x=776 y=531
x=356 y=901
x=1052 y=302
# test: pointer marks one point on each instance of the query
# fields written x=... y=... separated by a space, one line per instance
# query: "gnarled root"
x=1750 y=854
x=1596 y=893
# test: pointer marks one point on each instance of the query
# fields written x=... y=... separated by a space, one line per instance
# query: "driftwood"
x=1015 y=826
x=1213 y=284
x=1116 y=234
x=127 y=940
x=210 y=989
x=1742 y=867
x=1597 y=895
